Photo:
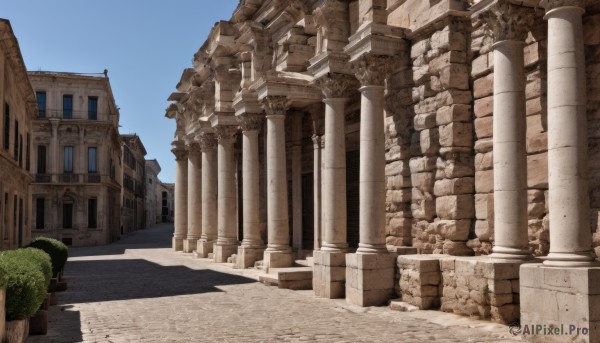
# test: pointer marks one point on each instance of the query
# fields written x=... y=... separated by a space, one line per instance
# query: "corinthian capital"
x=372 y=70
x=193 y=148
x=552 y=4
x=335 y=85
x=180 y=153
x=507 y=21
x=250 y=122
x=226 y=133
x=208 y=141
x=275 y=105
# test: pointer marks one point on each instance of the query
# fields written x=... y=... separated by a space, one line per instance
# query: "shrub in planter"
x=25 y=288
x=57 y=250
x=40 y=258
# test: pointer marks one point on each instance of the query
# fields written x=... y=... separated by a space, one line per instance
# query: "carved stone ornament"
x=507 y=21
x=180 y=154
x=194 y=147
x=372 y=70
x=552 y=4
x=225 y=133
x=275 y=105
x=250 y=122
x=208 y=141
x=336 y=85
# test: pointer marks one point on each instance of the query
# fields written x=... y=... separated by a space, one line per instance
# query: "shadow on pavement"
x=108 y=280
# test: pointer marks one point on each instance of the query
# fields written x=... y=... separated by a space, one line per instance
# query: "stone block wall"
x=419 y=280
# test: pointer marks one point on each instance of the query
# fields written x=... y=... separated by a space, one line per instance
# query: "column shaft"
x=209 y=198
x=334 y=177
x=181 y=186
x=194 y=198
x=570 y=235
x=251 y=191
x=227 y=200
x=317 y=190
x=372 y=171
x=277 y=201
x=510 y=158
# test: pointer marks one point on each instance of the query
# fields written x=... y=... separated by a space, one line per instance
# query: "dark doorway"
x=352 y=196
x=308 y=227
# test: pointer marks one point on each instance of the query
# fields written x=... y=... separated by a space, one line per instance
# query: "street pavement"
x=138 y=290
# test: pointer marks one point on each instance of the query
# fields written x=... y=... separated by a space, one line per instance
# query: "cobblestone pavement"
x=138 y=290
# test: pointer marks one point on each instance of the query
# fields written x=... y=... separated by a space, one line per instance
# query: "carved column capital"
x=208 y=142
x=372 y=70
x=193 y=148
x=553 y=4
x=275 y=105
x=250 y=122
x=226 y=133
x=335 y=85
x=507 y=21
x=181 y=154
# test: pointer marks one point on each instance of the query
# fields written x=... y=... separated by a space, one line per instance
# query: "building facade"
x=153 y=193
x=133 y=215
x=427 y=150
x=18 y=110
x=76 y=159
x=167 y=202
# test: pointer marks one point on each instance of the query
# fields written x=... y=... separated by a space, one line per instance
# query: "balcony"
x=93 y=178
x=69 y=178
x=43 y=178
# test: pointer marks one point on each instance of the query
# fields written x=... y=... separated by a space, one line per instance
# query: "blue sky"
x=144 y=44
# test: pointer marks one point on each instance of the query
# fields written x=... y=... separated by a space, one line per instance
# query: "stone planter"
x=38 y=324
x=53 y=299
x=46 y=304
x=52 y=286
x=17 y=331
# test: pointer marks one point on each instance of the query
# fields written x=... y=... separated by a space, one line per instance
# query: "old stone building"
x=167 y=202
x=153 y=193
x=18 y=110
x=133 y=216
x=76 y=159
x=426 y=150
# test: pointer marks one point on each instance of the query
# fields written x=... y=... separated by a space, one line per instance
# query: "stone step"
x=295 y=278
x=399 y=305
x=304 y=263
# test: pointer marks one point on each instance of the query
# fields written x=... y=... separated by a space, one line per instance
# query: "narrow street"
x=138 y=290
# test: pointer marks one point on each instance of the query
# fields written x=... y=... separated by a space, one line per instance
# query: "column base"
x=223 y=252
x=563 y=298
x=203 y=248
x=177 y=244
x=189 y=245
x=329 y=274
x=369 y=279
x=277 y=259
x=246 y=257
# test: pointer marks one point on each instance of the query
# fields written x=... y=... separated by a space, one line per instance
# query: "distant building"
x=17 y=101
x=153 y=193
x=134 y=175
x=167 y=196
x=76 y=159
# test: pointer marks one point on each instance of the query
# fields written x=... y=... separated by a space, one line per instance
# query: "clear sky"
x=144 y=44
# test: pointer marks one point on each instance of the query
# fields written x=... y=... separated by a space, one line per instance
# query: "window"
x=20 y=150
x=41 y=159
x=5 y=216
x=92 y=217
x=16 y=146
x=39 y=213
x=93 y=108
x=6 y=127
x=68 y=165
x=67 y=215
x=41 y=102
x=150 y=180
x=28 y=153
x=92 y=168
x=67 y=106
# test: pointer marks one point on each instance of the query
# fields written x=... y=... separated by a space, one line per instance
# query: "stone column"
x=296 y=164
x=372 y=257
x=278 y=253
x=209 y=195
x=510 y=24
x=570 y=234
x=317 y=118
x=329 y=281
x=181 y=185
x=252 y=247
x=194 y=197
x=227 y=242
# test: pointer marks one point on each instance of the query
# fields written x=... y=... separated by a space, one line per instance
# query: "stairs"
x=295 y=278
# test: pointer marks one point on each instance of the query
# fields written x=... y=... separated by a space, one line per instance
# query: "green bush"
x=40 y=258
x=25 y=289
x=57 y=250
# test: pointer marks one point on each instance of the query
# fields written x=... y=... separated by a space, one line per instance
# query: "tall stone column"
x=295 y=152
x=510 y=24
x=371 y=71
x=317 y=138
x=330 y=260
x=570 y=234
x=252 y=247
x=181 y=185
x=194 y=197
x=227 y=242
x=209 y=195
x=278 y=253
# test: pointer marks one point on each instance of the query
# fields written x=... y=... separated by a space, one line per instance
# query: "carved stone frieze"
x=507 y=21
x=275 y=105
x=336 y=85
x=372 y=70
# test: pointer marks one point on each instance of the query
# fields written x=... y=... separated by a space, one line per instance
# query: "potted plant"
x=25 y=292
